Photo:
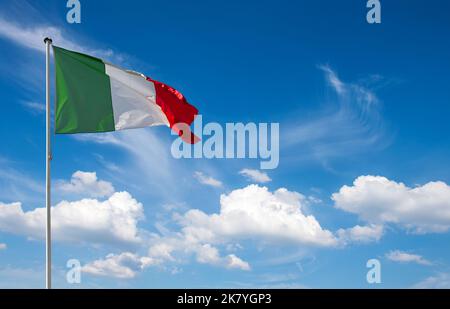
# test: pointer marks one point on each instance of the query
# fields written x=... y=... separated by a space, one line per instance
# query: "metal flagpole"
x=48 y=155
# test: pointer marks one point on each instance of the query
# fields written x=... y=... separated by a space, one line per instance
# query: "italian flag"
x=95 y=96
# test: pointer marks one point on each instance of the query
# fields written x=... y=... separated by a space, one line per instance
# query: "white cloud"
x=113 y=221
x=178 y=247
x=124 y=266
x=233 y=261
x=255 y=213
x=162 y=250
x=208 y=254
x=404 y=257
x=255 y=175
x=439 y=281
x=360 y=234
x=87 y=184
x=127 y=265
x=379 y=200
x=3 y=246
x=207 y=180
x=32 y=37
x=252 y=213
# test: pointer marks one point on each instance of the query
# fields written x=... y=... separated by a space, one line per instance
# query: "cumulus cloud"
x=256 y=213
x=233 y=261
x=127 y=265
x=360 y=234
x=176 y=248
x=208 y=254
x=85 y=183
x=251 y=213
x=113 y=221
x=405 y=257
x=3 y=246
x=255 y=175
x=423 y=209
x=124 y=266
x=207 y=180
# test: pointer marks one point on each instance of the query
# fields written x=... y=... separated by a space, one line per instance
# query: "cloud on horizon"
x=378 y=200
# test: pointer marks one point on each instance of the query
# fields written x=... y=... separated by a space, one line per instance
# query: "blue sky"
x=364 y=147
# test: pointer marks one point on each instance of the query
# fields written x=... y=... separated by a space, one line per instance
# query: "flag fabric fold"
x=95 y=96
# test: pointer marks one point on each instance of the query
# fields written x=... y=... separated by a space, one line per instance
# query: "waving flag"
x=95 y=96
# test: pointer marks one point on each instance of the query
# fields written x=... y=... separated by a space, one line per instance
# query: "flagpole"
x=48 y=156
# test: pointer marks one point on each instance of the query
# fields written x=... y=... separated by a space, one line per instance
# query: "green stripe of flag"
x=84 y=102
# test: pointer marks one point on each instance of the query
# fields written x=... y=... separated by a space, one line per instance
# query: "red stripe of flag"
x=177 y=110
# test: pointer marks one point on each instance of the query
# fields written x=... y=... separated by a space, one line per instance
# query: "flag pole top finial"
x=47 y=39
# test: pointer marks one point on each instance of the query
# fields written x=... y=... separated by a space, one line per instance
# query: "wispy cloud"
x=31 y=37
x=27 y=34
x=349 y=123
x=16 y=185
x=147 y=155
x=20 y=278
x=334 y=80
x=34 y=107
x=438 y=281
x=207 y=180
